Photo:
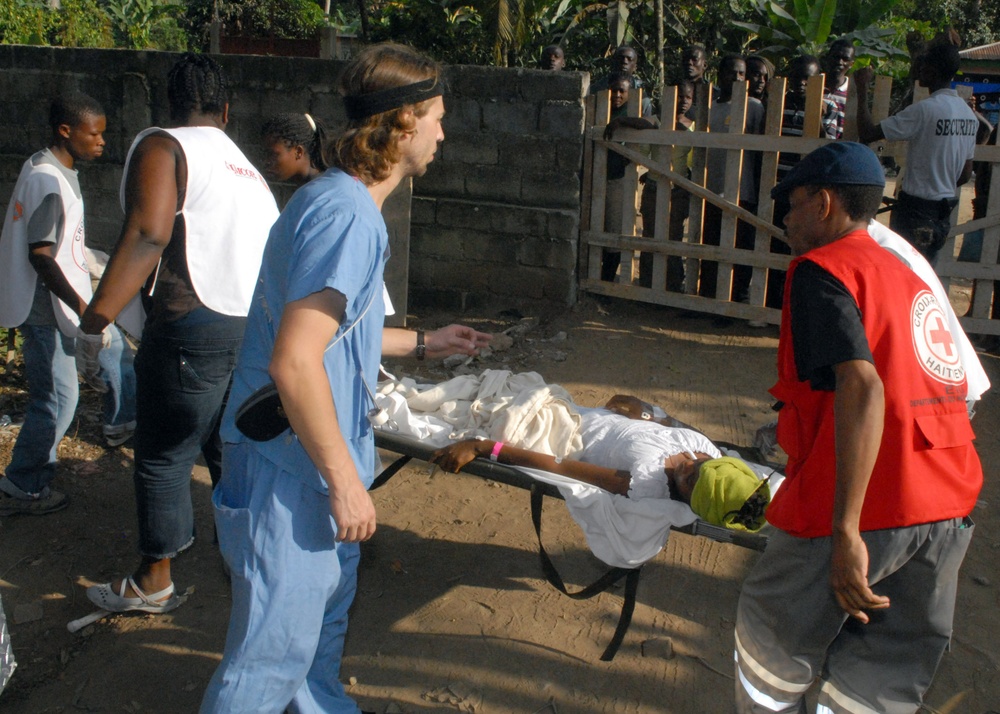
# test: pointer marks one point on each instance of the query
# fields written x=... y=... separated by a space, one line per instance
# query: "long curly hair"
x=369 y=147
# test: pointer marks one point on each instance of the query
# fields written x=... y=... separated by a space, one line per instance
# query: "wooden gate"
x=649 y=153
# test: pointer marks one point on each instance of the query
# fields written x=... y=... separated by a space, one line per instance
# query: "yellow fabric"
x=723 y=487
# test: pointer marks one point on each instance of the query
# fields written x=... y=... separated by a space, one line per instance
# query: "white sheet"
x=499 y=405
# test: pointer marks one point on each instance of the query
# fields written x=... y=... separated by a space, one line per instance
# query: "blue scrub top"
x=330 y=235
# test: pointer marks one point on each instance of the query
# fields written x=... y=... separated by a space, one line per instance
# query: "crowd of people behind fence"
x=306 y=288
x=938 y=161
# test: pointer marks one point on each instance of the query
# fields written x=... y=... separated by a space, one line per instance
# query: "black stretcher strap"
x=604 y=582
x=389 y=471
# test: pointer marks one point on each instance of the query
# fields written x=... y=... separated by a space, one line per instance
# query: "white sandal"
x=106 y=598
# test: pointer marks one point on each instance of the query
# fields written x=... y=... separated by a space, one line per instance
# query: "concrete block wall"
x=497 y=214
x=494 y=221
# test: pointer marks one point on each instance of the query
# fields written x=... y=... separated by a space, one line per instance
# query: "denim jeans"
x=922 y=222
x=50 y=369
x=183 y=373
x=118 y=373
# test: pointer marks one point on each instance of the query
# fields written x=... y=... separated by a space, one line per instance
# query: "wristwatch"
x=421 y=350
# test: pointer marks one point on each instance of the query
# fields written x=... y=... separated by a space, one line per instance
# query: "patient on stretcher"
x=629 y=451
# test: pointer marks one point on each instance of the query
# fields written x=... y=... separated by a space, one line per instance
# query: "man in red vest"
x=857 y=586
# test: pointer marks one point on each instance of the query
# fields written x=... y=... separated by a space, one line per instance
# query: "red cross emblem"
x=940 y=336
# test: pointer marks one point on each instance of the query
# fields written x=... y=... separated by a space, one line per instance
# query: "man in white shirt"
x=942 y=134
x=44 y=287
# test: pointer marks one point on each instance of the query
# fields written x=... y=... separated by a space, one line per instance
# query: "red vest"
x=927 y=469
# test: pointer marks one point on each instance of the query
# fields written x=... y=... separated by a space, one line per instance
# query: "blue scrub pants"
x=292 y=586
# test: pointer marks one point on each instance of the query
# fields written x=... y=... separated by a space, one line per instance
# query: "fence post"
x=703 y=105
x=731 y=189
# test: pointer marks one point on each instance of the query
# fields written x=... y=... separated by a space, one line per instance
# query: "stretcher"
x=409 y=448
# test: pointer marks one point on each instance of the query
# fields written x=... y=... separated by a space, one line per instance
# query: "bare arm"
x=454 y=456
x=156 y=179
x=868 y=131
x=453 y=339
x=307 y=326
x=859 y=412
x=43 y=260
x=966 y=174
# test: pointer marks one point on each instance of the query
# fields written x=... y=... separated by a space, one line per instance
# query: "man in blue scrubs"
x=292 y=511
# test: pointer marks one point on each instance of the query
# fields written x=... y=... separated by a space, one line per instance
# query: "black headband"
x=368 y=105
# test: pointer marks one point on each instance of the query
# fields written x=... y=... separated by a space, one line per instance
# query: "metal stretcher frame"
x=410 y=448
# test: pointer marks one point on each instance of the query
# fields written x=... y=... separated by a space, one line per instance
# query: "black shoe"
x=49 y=501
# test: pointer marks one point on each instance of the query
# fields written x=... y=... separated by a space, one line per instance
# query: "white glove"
x=88 y=350
x=102 y=338
x=765 y=439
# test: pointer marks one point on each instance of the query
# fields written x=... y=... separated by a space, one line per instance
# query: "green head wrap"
x=721 y=493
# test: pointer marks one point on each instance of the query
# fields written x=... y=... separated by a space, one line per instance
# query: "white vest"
x=228 y=212
x=17 y=286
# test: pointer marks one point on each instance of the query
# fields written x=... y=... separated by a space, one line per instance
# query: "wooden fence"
x=649 y=152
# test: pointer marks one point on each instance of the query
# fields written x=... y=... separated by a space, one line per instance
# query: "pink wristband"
x=496 y=451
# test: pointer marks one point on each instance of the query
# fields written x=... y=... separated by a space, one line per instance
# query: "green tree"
x=254 y=18
x=82 y=23
x=977 y=22
x=136 y=24
x=519 y=29
x=25 y=22
x=805 y=26
x=451 y=31
x=141 y=24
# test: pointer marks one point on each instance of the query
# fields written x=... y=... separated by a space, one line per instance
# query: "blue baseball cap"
x=839 y=163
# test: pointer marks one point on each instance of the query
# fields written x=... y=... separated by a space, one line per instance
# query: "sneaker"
x=48 y=501
x=118 y=434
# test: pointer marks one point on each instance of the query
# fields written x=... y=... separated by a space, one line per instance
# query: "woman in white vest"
x=197 y=215
x=44 y=287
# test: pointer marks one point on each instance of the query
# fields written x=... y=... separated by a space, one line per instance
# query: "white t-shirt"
x=639 y=447
x=942 y=134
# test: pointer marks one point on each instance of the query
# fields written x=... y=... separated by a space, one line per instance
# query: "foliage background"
x=513 y=32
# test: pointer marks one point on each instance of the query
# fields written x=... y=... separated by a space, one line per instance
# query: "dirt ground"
x=452 y=612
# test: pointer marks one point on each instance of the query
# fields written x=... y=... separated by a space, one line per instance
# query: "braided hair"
x=196 y=83
x=295 y=130
x=71 y=108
